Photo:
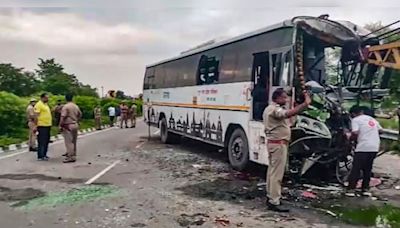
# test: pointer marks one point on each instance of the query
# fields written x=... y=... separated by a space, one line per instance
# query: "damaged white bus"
x=216 y=93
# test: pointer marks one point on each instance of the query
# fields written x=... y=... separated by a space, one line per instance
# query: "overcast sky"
x=109 y=42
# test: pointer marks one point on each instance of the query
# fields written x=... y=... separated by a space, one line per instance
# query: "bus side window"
x=281 y=64
x=276 y=69
x=208 y=70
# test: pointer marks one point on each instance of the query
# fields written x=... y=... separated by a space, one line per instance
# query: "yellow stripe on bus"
x=188 y=105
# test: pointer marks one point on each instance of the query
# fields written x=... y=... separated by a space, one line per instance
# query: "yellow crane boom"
x=385 y=55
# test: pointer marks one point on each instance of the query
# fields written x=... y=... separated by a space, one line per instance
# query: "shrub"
x=87 y=105
x=12 y=113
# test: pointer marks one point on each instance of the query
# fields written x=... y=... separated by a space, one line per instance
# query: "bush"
x=87 y=105
x=12 y=113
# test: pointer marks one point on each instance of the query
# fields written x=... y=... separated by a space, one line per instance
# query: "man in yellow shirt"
x=43 y=122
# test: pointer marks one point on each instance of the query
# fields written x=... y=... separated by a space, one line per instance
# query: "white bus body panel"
x=205 y=112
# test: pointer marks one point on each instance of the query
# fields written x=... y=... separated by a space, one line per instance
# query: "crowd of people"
x=123 y=114
x=66 y=116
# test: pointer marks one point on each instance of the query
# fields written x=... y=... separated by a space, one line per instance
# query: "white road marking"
x=140 y=145
x=55 y=143
x=156 y=132
x=93 y=179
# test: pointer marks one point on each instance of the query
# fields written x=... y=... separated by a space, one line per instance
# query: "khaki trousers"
x=276 y=170
x=32 y=135
x=124 y=119
x=133 y=120
x=97 y=123
x=70 y=139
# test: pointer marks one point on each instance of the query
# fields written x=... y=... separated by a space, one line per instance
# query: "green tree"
x=120 y=95
x=56 y=81
x=48 y=68
x=14 y=80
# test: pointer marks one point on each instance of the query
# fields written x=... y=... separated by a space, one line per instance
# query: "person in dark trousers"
x=43 y=121
x=365 y=131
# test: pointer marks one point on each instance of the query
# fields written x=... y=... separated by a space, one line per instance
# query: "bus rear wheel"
x=167 y=136
x=238 y=149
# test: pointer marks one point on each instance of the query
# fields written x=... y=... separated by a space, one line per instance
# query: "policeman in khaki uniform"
x=124 y=114
x=132 y=115
x=30 y=116
x=70 y=116
x=97 y=117
x=277 y=130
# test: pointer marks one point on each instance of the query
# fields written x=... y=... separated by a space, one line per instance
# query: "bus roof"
x=286 y=23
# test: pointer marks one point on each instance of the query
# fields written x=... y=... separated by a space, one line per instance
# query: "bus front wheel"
x=238 y=149
x=167 y=136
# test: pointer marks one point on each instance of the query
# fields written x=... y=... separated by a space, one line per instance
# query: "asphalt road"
x=123 y=180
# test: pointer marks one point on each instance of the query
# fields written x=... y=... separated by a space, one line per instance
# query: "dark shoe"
x=69 y=160
x=277 y=208
x=33 y=149
x=64 y=155
x=51 y=141
x=46 y=158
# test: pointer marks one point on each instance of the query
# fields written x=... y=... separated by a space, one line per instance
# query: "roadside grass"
x=389 y=123
x=379 y=216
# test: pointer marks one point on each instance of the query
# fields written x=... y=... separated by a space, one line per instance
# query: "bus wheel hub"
x=237 y=148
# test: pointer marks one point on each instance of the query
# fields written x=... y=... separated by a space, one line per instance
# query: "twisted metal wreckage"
x=365 y=63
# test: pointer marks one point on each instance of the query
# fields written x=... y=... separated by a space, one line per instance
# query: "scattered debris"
x=397 y=187
x=222 y=220
x=327 y=212
x=309 y=195
x=197 y=166
x=138 y=225
x=372 y=183
x=328 y=188
x=261 y=184
x=197 y=219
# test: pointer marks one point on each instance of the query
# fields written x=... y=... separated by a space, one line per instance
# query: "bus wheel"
x=238 y=150
x=167 y=136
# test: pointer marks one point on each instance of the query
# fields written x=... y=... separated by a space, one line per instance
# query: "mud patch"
x=40 y=177
x=224 y=190
x=24 y=194
x=76 y=195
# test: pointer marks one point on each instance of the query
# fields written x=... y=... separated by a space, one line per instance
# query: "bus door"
x=259 y=93
x=276 y=67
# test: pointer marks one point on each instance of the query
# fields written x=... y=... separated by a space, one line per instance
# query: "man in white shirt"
x=111 y=114
x=365 y=130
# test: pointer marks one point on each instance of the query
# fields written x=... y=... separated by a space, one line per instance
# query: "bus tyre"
x=167 y=136
x=238 y=149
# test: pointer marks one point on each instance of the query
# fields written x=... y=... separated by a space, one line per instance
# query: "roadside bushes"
x=13 y=125
x=12 y=113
